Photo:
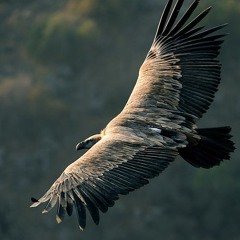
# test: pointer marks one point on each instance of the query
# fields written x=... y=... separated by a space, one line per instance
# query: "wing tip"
x=45 y=211
x=207 y=10
x=35 y=202
x=58 y=219
x=81 y=228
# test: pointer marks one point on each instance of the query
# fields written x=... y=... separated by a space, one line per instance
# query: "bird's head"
x=89 y=142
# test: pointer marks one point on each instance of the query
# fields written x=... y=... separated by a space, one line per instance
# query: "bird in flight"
x=175 y=87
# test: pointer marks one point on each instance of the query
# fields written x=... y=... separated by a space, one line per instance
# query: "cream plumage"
x=175 y=87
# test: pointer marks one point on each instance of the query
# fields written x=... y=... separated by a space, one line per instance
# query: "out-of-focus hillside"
x=66 y=69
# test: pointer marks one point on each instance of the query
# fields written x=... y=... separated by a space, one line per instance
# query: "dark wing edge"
x=101 y=191
x=196 y=51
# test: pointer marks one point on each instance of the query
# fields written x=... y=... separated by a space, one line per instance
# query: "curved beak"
x=80 y=146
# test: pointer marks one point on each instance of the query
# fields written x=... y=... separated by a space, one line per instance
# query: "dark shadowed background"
x=66 y=69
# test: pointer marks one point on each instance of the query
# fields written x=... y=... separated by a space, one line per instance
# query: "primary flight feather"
x=175 y=87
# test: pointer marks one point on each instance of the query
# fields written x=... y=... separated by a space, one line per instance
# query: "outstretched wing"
x=109 y=168
x=181 y=71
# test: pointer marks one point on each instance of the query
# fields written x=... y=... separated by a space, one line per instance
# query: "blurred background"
x=67 y=67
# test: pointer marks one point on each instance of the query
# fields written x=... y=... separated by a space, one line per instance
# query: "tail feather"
x=215 y=146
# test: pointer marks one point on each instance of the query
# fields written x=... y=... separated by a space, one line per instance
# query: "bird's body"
x=175 y=87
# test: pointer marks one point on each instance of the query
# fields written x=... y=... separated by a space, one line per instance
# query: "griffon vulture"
x=175 y=87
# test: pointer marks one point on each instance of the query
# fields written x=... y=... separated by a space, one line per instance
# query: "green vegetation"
x=67 y=68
